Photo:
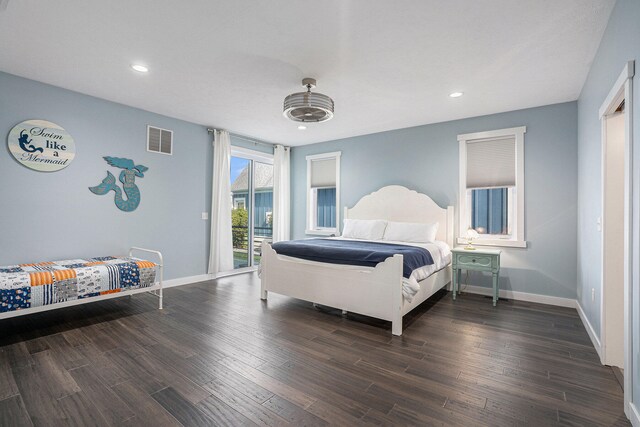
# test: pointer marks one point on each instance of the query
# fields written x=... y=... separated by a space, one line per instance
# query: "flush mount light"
x=302 y=127
x=456 y=94
x=308 y=106
x=140 y=68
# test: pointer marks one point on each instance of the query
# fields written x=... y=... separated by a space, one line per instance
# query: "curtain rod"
x=255 y=141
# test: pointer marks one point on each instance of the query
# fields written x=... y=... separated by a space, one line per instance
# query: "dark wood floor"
x=217 y=355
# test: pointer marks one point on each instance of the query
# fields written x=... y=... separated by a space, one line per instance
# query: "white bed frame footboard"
x=375 y=292
x=155 y=289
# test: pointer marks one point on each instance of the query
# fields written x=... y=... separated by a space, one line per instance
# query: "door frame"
x=622 y=89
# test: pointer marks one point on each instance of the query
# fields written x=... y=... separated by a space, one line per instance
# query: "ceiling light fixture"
x=302 y=127
x=308 y=106
x=140 y=68
x=456 y=94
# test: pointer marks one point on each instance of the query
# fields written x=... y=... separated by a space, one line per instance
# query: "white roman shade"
x=323 y=173
x=491 y=163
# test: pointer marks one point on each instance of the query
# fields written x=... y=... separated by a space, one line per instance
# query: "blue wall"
x=47 y=216
x=425 y=158
x=620 y=43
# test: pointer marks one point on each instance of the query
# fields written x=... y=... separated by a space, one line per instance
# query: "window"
x=490 y=210
x=323 y=193
x=492 y=187
x=239 y=203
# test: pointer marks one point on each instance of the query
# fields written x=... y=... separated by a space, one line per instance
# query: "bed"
x=372 y=291
x=36 y=287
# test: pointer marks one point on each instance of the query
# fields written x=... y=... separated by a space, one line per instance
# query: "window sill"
x=495 y=242
x=321 y=232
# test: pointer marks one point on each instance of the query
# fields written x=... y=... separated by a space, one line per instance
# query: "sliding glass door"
x=251 y=205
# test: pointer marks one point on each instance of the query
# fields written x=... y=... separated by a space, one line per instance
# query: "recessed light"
x=456 y=94
x=140 y=68
x=302 y=127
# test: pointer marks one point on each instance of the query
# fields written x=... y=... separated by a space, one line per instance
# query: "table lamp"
x=471 y=234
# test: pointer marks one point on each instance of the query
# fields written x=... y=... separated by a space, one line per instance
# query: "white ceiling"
x=387 y=64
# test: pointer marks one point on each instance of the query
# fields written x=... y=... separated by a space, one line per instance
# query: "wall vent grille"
x=159 y=140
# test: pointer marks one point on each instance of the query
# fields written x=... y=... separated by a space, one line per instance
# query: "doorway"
x=251 y=205
x=617 y=328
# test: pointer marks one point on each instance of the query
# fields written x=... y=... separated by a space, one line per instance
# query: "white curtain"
x=221 y=251
x=281 y=193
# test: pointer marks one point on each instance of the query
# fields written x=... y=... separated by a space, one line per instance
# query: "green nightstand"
x=476 y=260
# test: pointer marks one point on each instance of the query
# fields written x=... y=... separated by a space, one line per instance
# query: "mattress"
x=34 y=285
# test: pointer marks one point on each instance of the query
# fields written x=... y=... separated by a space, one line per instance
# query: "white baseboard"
x=634 y=415
x=592 y=332
x=187 y=280
x=204 y=277
x=522 y=296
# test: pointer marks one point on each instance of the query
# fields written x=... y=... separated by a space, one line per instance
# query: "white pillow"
x=367 y=229
x=411 y=232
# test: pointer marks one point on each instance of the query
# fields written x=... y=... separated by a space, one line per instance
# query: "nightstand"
x=476 y=260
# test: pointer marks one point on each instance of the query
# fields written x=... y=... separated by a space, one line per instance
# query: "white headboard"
x=398 y=203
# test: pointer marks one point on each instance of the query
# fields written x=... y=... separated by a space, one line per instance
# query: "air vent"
x=159 y=140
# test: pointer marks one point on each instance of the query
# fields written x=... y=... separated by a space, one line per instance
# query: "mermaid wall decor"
x=127 y=178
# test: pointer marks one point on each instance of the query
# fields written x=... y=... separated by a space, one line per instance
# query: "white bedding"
x=440 y=252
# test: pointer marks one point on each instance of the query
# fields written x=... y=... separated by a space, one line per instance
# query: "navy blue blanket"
x=351 y=252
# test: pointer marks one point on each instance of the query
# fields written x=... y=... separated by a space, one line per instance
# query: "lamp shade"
x=472 y=234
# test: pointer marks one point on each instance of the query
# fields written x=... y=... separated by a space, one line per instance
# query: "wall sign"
x=127 y=178
x=41 y=145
